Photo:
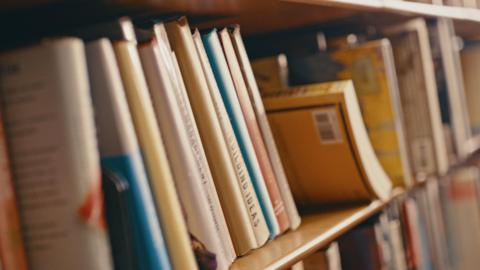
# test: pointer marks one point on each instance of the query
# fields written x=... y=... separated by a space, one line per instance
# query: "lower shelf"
x=316 y=231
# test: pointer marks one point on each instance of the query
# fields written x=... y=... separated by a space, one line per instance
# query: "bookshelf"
x=316 y=231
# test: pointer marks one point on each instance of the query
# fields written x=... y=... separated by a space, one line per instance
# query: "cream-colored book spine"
x=168 y=205
x=262 y=120
x=216 y=149
x=249 y=196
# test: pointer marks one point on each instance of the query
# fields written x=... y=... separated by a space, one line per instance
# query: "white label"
x=327 y=126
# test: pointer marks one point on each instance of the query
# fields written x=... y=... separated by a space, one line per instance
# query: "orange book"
x=254 y=131
x=12 y=252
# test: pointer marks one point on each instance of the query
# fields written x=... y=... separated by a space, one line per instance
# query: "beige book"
x=216 y=149
x=262 y=119
x=470 y=57
x=244 y=181
x=143 y=115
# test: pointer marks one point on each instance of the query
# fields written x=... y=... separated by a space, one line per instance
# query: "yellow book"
x=372 y=70
x=143 y=116
x=324 y=146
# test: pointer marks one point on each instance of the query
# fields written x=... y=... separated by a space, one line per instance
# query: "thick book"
x=268 y=196
x=253 y=129
x=155 y=157
x=324 y=145
x=12 y=249
x=250 y=198
x=470 y=58
x=216 y=149
x=120 y=154
x=262 y=119
x=50 y=127
x=200 y=220
x=372 y=70
x=195 y=142
x=419 y=99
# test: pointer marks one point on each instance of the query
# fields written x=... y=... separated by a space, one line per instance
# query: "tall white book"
x=50 y=127
x=200 y=219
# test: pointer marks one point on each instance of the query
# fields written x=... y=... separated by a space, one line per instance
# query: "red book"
x=12 y=252
x=254 y=132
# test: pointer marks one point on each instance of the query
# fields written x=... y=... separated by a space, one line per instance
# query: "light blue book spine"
x=228 y=93
x=120 y=154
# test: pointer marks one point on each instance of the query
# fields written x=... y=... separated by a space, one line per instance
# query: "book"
x=194 y=138
x=324 y=259
x=155 y=158
x=470 y=59
x=262 y=119
x=253 y=130
x=50 y=127
x=121 y=155
x=226 y=88
x=200 y=220
x=371 y=68
x=250 y=198
x=419 y=99
x=359 y=247
x=209 y=127
x=12 y=249
x=271 y=73
x=324 y=145
x=449 y=78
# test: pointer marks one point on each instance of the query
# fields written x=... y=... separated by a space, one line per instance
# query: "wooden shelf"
x=315 y=232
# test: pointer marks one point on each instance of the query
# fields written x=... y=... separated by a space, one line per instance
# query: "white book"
x=120 y=153
x=50 y=126
x=151 y=144
x=262 y=119
x=250 y=199
x=200 y=219
x=194 y=138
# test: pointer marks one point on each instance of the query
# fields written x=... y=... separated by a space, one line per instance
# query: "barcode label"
x=327 y=126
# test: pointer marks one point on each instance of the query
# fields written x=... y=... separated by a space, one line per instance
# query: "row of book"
x=144 y=146
x=454 y=3
x=434 y=226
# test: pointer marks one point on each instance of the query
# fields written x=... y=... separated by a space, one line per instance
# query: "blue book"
x=227 y=91
x=120 y=155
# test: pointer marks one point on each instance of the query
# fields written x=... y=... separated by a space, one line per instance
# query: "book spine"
x=48 y=96
x=254 y=132
x=227 y=91
x=250 y=198
x=202 y=163
x=200 y=219
x=210 y=131
x=156 y=161
x=268 y=139
x=12 y=252
x=120 y=153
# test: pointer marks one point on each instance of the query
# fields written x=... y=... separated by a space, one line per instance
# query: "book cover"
x=371 y=68
x=419 y=99
x=324 y=145
x=272 y=207
x=250 y=198
x=197 y=210
x=262 y=119
x=50 y=126
x=209 y=127
x=120 y=154
x=12 y=250
x=253 y=129
x=155 y=158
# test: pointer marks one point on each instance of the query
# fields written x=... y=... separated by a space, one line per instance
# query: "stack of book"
x=149 y=145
